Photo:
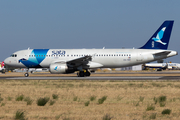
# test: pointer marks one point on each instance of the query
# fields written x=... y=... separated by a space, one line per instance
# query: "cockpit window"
x=14 y=55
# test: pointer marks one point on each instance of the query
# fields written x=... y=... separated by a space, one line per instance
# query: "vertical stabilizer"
x=160 y=39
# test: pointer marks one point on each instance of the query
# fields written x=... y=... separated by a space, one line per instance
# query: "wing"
x=79 y=60
x=81 y=63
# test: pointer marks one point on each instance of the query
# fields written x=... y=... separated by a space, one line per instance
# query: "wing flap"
x=80 y=60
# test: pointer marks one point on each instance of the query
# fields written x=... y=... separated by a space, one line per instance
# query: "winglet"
x=160 y=38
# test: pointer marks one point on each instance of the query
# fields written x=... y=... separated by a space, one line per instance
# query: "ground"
x=125 y=100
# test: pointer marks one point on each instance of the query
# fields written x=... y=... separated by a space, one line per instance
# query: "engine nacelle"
x=58 y=68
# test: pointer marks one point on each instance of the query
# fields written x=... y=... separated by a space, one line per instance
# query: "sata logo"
x=58 y=52
x=56 y=68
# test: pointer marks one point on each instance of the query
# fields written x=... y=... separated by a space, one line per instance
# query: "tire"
x=81 y=74
x=26 y=74
x=88 y=73
x=3 y=71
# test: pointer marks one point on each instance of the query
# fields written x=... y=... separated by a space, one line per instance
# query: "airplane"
x=163 y=66
x=64 y=61
x=2 y=69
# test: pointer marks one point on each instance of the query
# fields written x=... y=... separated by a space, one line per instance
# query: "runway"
x=88 y=78
x=96 y=76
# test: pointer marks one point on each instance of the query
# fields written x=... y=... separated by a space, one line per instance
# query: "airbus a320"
x=65 y=61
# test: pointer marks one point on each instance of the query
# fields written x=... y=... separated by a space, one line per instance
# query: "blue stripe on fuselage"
x=35 y=58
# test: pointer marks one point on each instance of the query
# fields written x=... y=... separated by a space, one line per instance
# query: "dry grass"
x=123 y=99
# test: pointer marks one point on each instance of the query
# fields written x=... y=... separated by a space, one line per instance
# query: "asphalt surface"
x=106 y=76
x=89 y=78
x=99 y=78
x=167 y=75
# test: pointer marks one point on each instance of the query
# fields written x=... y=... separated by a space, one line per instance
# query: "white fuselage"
x=101 y=58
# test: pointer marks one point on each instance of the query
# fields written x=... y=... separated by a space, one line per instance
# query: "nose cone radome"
x=6 y=61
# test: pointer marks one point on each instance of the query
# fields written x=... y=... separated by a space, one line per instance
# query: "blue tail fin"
x=160 y=39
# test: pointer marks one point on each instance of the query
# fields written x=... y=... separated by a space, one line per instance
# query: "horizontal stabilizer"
x=162 y=53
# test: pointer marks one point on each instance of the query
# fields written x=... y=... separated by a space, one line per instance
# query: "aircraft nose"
x=7 y=61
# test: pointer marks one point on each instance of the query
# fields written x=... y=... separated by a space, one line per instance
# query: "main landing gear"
x=83 y=73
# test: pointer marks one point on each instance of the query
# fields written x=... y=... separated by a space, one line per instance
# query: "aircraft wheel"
x=26 y=74
x=81 y=74
x=78 y=74
x=3 y=71
x=159 y=69
x=88 y=73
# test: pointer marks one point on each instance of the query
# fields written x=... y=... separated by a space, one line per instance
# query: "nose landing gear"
x=26 y=74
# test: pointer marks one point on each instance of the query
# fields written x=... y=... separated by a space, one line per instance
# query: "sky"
x=71 y=24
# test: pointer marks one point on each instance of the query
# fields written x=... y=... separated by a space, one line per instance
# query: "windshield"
x=14 y=55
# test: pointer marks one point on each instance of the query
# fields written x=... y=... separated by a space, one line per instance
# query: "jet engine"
x=58 y=68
